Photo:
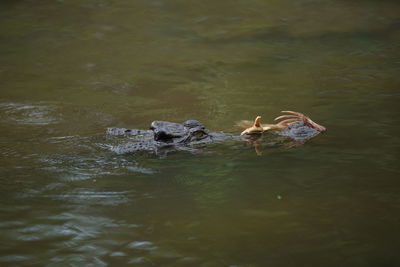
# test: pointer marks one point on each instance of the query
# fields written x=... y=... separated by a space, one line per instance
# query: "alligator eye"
x=198 y=134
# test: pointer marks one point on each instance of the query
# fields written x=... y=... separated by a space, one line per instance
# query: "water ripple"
x=27 y=114
x=98 y=198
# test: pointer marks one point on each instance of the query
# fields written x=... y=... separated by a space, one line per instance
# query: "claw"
x=256 y=128
x=306 y=120
x=314 y=125
x=289 y=121
x=286 y=116
x=257 y=122
x=292 y=112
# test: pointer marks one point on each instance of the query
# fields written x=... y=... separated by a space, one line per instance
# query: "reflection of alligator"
x=165 y=135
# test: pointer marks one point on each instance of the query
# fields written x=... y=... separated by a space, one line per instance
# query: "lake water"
x=71 y=68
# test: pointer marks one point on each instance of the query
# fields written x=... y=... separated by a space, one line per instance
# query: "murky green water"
x=71 y=68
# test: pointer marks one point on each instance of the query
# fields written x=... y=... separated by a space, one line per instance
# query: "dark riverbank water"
x=70 y=69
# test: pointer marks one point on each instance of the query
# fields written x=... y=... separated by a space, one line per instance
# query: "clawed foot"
x=290 y=118
x=296 y=117
x=256 y=128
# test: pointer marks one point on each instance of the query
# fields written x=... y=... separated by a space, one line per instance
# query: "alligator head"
x=190 y=131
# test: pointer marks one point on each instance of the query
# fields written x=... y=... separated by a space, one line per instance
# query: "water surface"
x=70 y=69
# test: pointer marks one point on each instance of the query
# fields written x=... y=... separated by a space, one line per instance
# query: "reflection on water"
x=71 y=69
